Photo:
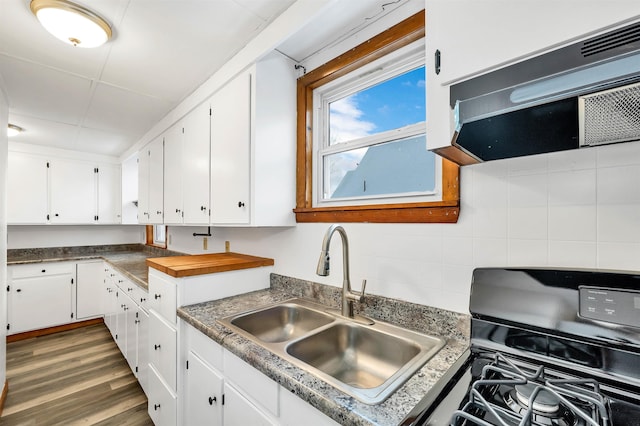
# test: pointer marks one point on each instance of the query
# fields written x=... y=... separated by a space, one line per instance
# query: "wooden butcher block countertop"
x=200 y=264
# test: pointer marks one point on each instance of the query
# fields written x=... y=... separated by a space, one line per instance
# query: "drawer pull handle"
x=212 y=400
x=157 y=296
x=156 y=406
x=44 y=270
x=156 y=347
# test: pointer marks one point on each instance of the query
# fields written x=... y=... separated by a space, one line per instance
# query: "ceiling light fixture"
x=13 y=130
x=71 y=23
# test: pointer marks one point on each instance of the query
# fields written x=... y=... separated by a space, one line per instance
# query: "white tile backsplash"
x=572 y=254
x=572 y=223
x=527 y=252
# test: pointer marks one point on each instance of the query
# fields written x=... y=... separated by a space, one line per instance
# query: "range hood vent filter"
x=611 y=40
x=610 y=116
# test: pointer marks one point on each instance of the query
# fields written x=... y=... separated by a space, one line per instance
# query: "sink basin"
x=355 y=355
x=282 y=322
x=366 y=361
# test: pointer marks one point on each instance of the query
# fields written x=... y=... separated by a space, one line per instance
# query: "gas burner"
x=547 y=409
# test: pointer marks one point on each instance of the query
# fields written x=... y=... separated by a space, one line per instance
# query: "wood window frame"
x=149 y=237
x=444 y=211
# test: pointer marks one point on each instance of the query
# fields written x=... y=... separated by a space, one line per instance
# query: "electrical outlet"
x=205 y=243
x=227 y=246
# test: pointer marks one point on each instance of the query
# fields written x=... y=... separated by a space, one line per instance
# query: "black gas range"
x=549 y=347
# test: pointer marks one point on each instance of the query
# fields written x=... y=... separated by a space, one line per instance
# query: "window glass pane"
x=397 y=167
x=159 y=234
x=391 y=104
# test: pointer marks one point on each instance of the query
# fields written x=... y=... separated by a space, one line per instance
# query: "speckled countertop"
x=454 y=327
x=128 y=259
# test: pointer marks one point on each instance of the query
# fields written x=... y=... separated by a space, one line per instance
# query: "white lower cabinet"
x=89 y=290
x=40 y=296
x=221 y=389
x=162 y=401
x=142 y=333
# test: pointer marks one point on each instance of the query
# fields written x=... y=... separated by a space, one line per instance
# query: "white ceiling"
x=104 y=100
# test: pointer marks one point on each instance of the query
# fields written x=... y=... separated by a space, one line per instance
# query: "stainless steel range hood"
x=552 y=102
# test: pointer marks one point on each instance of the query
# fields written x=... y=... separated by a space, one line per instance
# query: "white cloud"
x=345 y=121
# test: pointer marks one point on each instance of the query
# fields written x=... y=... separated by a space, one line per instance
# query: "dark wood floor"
x=71 y=378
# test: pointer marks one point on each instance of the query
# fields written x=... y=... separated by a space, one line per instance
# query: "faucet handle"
x=360 y=294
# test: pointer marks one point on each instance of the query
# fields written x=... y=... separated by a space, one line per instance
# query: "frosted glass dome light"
x=71 y=23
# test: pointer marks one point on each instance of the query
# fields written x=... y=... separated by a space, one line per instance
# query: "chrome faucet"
x=348 y=296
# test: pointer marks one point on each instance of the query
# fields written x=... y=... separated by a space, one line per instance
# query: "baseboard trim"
x=3 y=396
x=51 y=330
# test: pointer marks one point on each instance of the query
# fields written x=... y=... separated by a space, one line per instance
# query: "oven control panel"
x=616 y=306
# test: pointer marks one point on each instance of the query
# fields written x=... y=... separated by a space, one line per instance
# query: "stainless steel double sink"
x=366 y=361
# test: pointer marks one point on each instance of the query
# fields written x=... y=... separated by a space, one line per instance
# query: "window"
x=156 y=235
x=361 y=137
x=369 y=143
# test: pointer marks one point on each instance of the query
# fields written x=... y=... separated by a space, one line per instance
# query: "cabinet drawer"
x=202 y=345
x=162 y=297
x=140 y=296
x=162 y=401
x=162 y=348
x=41 y=269
x=253 y=383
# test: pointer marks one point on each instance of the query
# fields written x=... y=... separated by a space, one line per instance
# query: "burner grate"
x=536 y=395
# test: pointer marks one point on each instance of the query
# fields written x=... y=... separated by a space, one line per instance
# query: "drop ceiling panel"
x=44 y=132
x=169 y=51
x=43 y=92
x=119 y=110
x=100 y=142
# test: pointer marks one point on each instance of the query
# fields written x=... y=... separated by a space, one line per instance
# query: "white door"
x=203 y=394
x=230 y=152
x=27 y=193
x=195 y=166
x=173 y=171
x=40 y=302
x=73 y=191
x=89 y=289
x=109 y=199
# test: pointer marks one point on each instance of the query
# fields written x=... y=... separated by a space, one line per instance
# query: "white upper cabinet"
x=56 y=190
x=173 y=141
x=27 y=193
x=109 y=190
x=230 y=145
x=474 y=37
x=195 y=165
x=150 y=182
x=253 y=147
x=186 y=169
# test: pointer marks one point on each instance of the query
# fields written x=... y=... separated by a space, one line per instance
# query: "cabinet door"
x=162 y=401
x=121 y=320
x=173 y=142
x=230 y=152
x=239 y=411
x=89 y=289
x=162 y=348
x=73 y=191
x=27 y=193
x=195 y=165
x=156 y=182
x=131 y=344
x=142 y=331
x=203 y=399
x=109 y=200
x=40 y=302
x=144 y=160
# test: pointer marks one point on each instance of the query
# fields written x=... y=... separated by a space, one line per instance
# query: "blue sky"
x=388 y=105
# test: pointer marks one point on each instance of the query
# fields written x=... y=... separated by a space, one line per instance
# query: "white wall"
x=571 y=209
x=28 y=236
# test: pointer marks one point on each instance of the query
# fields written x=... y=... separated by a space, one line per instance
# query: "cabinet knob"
x=212 y=400
x=156 y=407
x=202 y=208
x=129 y=289
x=156 y=347
x=56 y=215
x=240 y=204
x=19 y=290
x=136 y=322
x=158 y=212
x=157 y=296
x=142 y=299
